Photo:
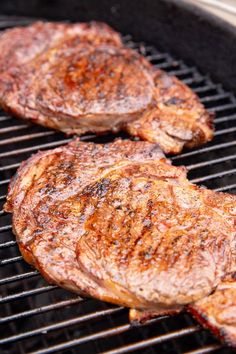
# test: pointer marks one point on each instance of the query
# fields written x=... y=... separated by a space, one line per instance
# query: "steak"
x=218 y=311
x=80 y=78
x=20 y=45
x=119 y=223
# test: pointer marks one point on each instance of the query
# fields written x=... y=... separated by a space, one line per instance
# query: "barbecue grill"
x=40 y=318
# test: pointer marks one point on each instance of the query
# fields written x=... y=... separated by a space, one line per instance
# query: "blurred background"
x=222 y=8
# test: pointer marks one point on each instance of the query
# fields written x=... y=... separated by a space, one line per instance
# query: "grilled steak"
x=119 y=223
x=218 y=311
x=79 y=78
x=178 y=119
x=20 y=45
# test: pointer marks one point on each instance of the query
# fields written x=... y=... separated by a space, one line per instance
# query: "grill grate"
x=39 y=318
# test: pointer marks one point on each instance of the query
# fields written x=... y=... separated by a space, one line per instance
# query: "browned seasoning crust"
x=79 y=78
x=119 y=223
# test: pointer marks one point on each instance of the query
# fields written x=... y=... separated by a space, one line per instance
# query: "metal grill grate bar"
x=152 y=341
x=223 y=107
x=211 y=162
x=40 y=310
x=224 y=188
x=225 y=131
x=193 y=80
x=225 y=119
x=216 y=97
x=7 y=244
x=35 y=148
x=184 y=71
x=5 y=181
x=26 y=137
x=26 y=293
x=157 y=56
x=18 y=277
x=44 y=146
x=3 y=119
x=13 y=128
x=206 y=149
x=214 y=175
x=5 y=228
x=72 y=343
x=205 y=88
x=9 y=167
x=62 y=324
x=11 y=260
x=98 y=335
x=208 y=349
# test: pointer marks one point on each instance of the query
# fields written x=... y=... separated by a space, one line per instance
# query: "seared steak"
x=178 y=119
x=79 y=78
x=119 y=223
x=20 y=45
x=218 y=311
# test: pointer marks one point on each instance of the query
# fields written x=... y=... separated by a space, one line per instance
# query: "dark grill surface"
x=36 y=317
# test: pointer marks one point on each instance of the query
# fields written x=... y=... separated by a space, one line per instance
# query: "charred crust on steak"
x=80 y=78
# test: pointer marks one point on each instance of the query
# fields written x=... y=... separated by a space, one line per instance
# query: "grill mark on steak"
x=80 y=78
x=119 y=223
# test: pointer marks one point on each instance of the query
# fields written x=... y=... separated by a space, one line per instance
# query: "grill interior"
x=36 y=317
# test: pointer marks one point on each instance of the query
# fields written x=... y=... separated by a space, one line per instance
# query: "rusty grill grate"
x=39 y=318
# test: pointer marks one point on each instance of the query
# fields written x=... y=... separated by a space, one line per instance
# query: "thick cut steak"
x=80 y=78
x=119 y=223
